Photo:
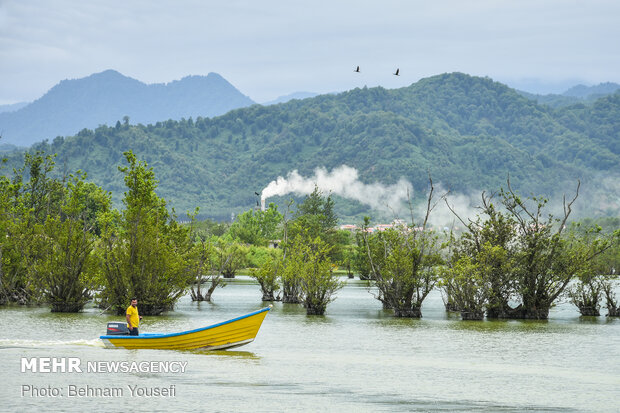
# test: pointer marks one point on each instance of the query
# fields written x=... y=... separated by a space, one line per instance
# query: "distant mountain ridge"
x=575 y=95
x=291 y=96
x=602 y=89
x=12 y=107
x=106 y=97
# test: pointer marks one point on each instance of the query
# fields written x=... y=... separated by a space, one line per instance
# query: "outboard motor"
x=117 y=329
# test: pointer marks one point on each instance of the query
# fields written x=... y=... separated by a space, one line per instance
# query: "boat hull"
x=228 y=334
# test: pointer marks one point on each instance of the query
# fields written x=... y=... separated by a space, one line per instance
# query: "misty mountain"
x=106 y=97
x=291 y=96
x=602 y=89
x=7 y=147
x=12 y=107
x=579 y=94
x=469 y=132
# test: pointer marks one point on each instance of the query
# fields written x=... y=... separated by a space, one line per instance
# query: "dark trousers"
x=133 y=331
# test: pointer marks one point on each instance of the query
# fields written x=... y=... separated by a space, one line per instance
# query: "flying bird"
x=256 y=193
x=397 y=73
x=357 y=70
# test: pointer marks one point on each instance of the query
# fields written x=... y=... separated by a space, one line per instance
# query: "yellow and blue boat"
x=228 y=334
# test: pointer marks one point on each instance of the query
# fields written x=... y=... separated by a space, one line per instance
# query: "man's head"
x=134 y=302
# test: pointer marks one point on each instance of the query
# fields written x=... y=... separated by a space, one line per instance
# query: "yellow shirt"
x=134 y=318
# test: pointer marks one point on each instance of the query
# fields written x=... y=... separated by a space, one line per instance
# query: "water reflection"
x=512 y=326
x=317 y=320
x=203 y=305
x=394 y=322
x=453 y=315
x=232 y=354
x=593 y=320
x=290 y=309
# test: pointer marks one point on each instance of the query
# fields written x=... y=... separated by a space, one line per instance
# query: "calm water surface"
x=356 y=358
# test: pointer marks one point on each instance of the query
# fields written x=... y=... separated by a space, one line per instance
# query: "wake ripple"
x=10 y=343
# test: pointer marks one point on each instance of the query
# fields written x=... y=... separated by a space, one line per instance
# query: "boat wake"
x=9 y=343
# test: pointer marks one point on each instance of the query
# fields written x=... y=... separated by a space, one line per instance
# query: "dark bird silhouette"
x=357 y=70
x=397 y=72
x=256 y=193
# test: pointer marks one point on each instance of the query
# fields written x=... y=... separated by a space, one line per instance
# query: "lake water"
x=356 y=358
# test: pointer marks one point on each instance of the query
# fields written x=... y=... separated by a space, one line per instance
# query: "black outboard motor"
x=117 y=329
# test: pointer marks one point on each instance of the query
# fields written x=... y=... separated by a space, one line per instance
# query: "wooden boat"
x=232 y=333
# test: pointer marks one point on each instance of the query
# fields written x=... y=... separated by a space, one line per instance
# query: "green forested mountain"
x=469 y=132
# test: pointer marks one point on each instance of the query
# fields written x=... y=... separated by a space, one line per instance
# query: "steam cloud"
x=343 y=181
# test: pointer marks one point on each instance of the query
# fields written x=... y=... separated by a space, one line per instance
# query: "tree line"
x=62 y=243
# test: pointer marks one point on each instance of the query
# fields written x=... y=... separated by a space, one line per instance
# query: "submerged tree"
x=290 y=279
x=144 y=249
x=469 y=280
x=403 y=263
x=230 y=257
x=545 y=260
x=268 y=275
x=66 y=266
x=24 y=207
x=540 y=260
x=203 y=269
x=595 y=281
x=609 y=286
x=481 y=258
x=586 y=295
x=308 y=258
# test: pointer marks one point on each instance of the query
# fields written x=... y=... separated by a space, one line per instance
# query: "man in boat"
x=133 y=318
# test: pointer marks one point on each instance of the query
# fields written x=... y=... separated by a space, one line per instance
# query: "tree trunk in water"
x=613 y=311
x=290 y=293
x=67 y=307
x=151 y=309
x=531 y=313
x=408 y=312
x=451 y=306
x=501 y=312
x=228 y=274
x=199 y=296
x=385 y=303
x=268 y=292
x=472 y=315
x=319 y=310
x=268 y=296
x=589 y=311
x=290 y=299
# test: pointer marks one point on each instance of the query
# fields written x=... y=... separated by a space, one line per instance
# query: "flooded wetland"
x=357 y=357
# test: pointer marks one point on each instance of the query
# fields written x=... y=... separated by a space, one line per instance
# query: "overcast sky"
x=272 y=48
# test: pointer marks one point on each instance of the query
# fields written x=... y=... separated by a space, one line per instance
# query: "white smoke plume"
x=343 y=181
x=465 y=205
